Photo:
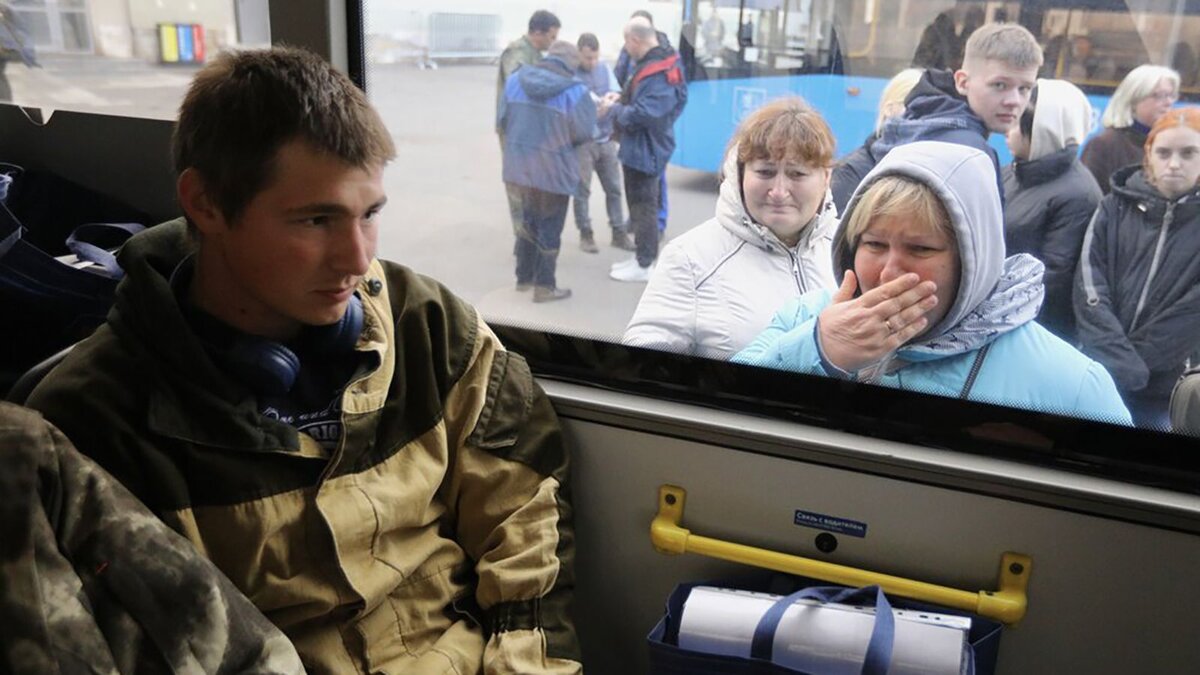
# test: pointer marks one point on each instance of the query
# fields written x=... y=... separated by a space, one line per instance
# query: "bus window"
x=433 y=74
x=118 y=58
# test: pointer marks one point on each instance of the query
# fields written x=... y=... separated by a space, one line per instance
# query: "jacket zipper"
x=1154 y=263
x=796 y=272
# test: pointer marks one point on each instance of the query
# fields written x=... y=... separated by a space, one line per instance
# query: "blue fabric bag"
x=667 y=658
x=49 y=304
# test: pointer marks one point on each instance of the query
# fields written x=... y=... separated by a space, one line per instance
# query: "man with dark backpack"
x=645 y=115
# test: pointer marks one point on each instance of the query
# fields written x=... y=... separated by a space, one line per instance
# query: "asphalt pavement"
x=447 y=214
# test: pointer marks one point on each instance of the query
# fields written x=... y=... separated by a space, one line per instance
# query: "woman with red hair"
x=1137 y=289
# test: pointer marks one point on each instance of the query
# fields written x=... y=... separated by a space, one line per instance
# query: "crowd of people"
x=558 y=117
x=1067 y=281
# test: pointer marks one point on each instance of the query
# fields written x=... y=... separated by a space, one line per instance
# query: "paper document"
x=822 y=638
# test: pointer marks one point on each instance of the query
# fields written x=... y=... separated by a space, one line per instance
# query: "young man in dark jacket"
x=546 y=114
x=346 y=440
x=645 y=115
x=987 y=95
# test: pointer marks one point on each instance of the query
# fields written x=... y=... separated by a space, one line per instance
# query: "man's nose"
x=353 y=250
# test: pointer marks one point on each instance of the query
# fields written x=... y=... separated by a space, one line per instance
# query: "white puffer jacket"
x=716 y=287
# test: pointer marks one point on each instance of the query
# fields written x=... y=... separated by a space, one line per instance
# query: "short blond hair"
x=1008 y=42
x=895 y=92
x=898 y=196
x=788 y=129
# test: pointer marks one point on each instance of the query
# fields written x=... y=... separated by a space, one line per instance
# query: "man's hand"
x=856 y=332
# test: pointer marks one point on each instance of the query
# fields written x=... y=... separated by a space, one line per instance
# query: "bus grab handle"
x=1006 y=605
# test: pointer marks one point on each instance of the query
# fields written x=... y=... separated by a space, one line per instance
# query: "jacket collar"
x=1045 y=169
x=190 y=398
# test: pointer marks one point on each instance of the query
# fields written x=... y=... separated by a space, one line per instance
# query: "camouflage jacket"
x=436 y=537
x=91 y=581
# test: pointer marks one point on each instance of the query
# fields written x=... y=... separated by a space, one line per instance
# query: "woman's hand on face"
x=856 y=332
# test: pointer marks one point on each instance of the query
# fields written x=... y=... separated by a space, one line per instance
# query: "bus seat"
x=25 y=383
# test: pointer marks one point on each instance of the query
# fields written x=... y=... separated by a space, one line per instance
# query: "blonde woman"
x=1145 y=95
x=851 y=168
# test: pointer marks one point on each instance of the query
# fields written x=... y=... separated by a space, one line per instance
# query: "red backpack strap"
x=669 y=65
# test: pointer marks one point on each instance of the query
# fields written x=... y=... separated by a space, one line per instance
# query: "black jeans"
x=643 y=194
x=544 y=214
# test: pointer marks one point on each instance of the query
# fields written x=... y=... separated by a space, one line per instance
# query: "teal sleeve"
x=1098 y=398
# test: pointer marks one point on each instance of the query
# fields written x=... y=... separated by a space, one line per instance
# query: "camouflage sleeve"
x=105 y=583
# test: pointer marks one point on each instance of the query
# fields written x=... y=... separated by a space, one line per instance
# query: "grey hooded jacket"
x=987 y=347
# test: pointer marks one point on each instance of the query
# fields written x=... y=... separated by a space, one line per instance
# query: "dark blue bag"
x=48 y=304
x=667 y=658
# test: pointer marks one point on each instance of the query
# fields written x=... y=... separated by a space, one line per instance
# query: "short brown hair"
x=245 y=105
x=897 y=196
x=1008 y=42
x=784 y=130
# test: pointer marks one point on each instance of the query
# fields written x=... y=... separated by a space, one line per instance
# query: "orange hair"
x=1177 y=117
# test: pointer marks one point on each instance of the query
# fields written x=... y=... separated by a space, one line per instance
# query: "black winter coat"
x=1137 y=290
x=1048 y=203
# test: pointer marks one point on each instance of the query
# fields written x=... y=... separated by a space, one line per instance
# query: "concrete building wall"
x=112 y=33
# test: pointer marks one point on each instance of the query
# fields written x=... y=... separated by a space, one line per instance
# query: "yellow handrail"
x=1006 y=605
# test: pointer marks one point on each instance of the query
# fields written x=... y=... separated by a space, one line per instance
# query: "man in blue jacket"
x=545 y=114
x=645 y=115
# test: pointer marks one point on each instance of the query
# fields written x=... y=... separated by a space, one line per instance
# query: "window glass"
x=434 y=75
x=117 y=57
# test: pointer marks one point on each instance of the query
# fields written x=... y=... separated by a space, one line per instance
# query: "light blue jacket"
x=1028 y=367
x=1022 y=364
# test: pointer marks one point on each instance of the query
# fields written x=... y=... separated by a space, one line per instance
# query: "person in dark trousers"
x=987 y=95
x=546 y=114
x=622 y=71
x=600 y=156
x=524 y=51
x=1051 y=194
x=345 y=439
x=645 y=115
x=1137 y=289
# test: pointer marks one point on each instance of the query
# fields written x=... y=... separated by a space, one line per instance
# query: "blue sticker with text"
x=821 y=521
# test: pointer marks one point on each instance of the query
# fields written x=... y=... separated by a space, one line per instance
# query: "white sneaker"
x=635 y=273
x=628 y=262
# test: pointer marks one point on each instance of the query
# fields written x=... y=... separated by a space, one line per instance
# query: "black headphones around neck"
x=265 y=366
x=269 y=367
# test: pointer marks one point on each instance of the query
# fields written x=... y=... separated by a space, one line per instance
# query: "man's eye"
x=999 y=86
x=765 y=173
x=796 y=175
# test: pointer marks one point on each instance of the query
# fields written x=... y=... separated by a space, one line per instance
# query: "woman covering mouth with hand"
x=929 y=302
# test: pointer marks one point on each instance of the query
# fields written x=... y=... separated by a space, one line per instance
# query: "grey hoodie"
x=995 y=294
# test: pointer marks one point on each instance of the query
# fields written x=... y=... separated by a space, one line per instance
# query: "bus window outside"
x=838 y=55
x=117 y=57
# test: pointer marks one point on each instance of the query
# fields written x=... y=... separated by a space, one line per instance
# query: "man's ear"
x=199 y=208
x=960 y=81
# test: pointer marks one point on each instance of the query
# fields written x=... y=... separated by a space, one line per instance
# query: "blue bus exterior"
x=849 y=104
